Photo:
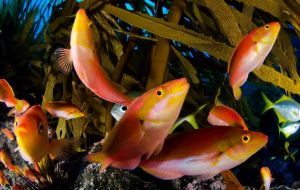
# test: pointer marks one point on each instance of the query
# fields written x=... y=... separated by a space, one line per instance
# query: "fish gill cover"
x=141 y=45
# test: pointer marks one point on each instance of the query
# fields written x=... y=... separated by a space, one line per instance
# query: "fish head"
x=164 y=102
x=239 y=144
x=82 y=32
x=76 y=113
x=32 y=134
x=267 y=34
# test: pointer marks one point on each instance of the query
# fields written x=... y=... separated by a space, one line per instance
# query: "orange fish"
x=32 y=137
x=63 y=109
x=203 y=152
x=8 y=134
x=222 y=115
x=266 y=177
x=144 y=127
x=3 y=179
x=86 y=62
x=4 y=158
x=29 y=174
x=8 y=97
x=250 y=53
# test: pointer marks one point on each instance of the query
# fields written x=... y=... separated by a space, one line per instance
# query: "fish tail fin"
x=101 y=158
x=21 y=106
x=237 y=92
x=293 y=155
x=269 y=104
x=62 y=148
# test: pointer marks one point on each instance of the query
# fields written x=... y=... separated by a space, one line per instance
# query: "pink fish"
x=144 y=127
x=203 y=152
x=250 y=53
x=222 y=115
x=86 y=62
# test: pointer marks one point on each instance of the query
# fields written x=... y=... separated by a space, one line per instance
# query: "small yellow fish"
x=3 y=179
x=8 y=134
x=4 y=158
x=63 y=109
x=29 y=174
x=266 y=177
x=32 y=137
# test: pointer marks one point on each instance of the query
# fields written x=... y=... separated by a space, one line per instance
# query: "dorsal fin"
x=284 y=98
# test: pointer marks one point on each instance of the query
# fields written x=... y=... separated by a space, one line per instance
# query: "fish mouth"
x=275 y=26
x=180 y=86
x=20 y=130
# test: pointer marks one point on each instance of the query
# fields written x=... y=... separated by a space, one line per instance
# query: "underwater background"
x=142 y=44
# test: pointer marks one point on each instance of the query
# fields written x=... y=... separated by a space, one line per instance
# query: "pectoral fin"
x=65 y=64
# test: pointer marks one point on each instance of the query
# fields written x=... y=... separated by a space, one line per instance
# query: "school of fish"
x=141 y=136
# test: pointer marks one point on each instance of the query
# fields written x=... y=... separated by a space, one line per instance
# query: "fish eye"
x=246 y=138
x=124 y=108
x=267 y=26
x=41 y=127
x=160 y=92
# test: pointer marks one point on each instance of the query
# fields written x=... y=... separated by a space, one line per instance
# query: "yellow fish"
x=32 y=137
x=266 y=177
x=4 y=158
x=3 y=179
x=63 y=109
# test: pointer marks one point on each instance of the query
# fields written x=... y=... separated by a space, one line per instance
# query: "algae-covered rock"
x=111 y=179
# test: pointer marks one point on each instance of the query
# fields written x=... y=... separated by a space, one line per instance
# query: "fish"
x=63 y=109
x=289 y=128
x=8 y=97
x=221 y=115
x=144 y=127
x=3 y=179
x=83 y=57
x=285 y=108
x=118 y=110
x=203 y=152
x=8 y=134
x=250 y=54
x=266 y=177
x=289 y=154
x=33 y=123
x=30 y=174
x=6 y=161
